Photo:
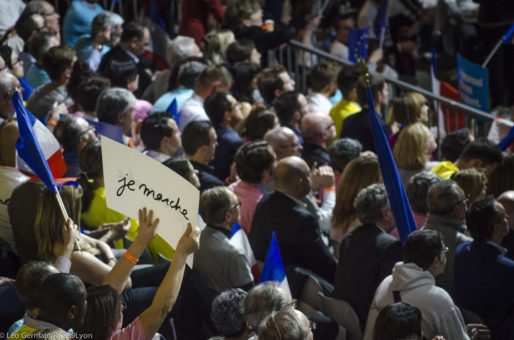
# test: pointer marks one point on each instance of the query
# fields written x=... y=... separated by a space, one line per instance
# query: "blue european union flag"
x=358 y=44
x=380 y=24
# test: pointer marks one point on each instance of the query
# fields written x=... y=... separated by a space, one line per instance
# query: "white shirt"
x=192 y=110
x=340 y=50
x=10 y=178
x=158 y=156
x=319 y=103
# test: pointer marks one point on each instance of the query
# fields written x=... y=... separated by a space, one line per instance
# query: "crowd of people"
x=217 y=109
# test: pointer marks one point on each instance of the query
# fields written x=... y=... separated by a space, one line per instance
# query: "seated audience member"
x=447 y=208
x=473 y=182
x=104 y=317
x=288 y=323
x=79 y=72
x=46 y=9
x=88 y=93
x=12 y=61
x=183 y=76
x=38 y=45
x=341 y=152
x=483 y=274
x=454 y=143
x=368 y=253
x=502 y=178
x=263 y=300
x=18 y=34
x=8 y=84
x=322 y=85
x=413 y=150
x=255 y=163
x=220 y=264
x=199 y=140
x=318 y=131
x=258 y=123
x=409 y=109
x=73 y=133
x=358 y=174
x=115 y=106
x=291 y=107
x=62 y=307
x=398 y=321
x=272 y=82
x=134 y=39
x=507 y=201
x=122 y=74
x=93 y=45
x=347 y=80
x=222 y=108
x=284 y=142
x=242 y=51
x=358 y=126
x=160 y=136
x=78 y=20
x=184 y=168
x=343 y=24
x=244 y=75
x=215 y=44
x=211 y=80
x=58 y=62
x=412 y=282
x=417 y=192
x=297 y=229
x=480 y=153
x=227 y=314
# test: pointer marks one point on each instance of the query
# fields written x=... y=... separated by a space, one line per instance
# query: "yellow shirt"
x=341 y=111
x=98 y=214
x=445 y=169
x=24 y=332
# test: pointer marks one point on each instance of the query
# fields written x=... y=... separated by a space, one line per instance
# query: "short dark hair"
x=186 y=72
x=79 y=72
x=348 y=78
x=421 y=247
x=268 y=81
x=57 y=59
x=196 y=135
x=244 y=74
x=377 y=83
x=6 y=55
x=89 y=91
x=417 y=190
x=342 y=151
x=453 y=144
x=216 y=105
x=132 y=30
x=120 y=73
x=481 y=218
x=61 y=291
x=180 y=165
x=258 y=122
x=484 y=150
x=252 y=160
x=29 y=279
x=100 y=23
x=227 y=312
x=154 y=128
x=322 y=75
x=240 y=50
x=286 y=105
x=398 y=321
x=39 y=44
x=26 y=25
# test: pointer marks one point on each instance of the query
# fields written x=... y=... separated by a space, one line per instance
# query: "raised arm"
x=167 y=293
x=122 y=269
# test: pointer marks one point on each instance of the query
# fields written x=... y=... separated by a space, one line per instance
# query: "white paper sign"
x=133 y=181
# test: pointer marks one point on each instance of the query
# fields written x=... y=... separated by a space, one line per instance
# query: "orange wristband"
x=130 y=257
x=329 y=188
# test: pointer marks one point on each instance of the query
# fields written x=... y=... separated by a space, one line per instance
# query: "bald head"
x=284 y=142
x=507 y=200
x=292 y=177
x=318 y=128
x=8 y=84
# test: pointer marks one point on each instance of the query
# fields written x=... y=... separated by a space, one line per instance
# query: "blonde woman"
x=473 y=182
x=413 y=150
x=407 y=110
x=215 y=45
x=358 y=174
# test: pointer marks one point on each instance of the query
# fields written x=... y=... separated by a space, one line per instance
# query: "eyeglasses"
x=235 y=206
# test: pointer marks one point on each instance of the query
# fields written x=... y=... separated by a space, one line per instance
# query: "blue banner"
x=473 y=83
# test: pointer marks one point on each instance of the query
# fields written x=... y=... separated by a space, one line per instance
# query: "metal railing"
x=298 y=58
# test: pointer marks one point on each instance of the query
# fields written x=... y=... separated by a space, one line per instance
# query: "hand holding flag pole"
x=504 y=39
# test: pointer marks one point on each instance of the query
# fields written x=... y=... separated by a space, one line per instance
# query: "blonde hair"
x=49 y=221
x=406 y=110
x=215 y=45
x=410 y=151
x=358 y=174
x=472 y=181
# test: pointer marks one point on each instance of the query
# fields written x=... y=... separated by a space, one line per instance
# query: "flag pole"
x=503 y=40
x=63 y=211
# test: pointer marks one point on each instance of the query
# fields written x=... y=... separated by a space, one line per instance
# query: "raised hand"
x=190 y=241
x=147 y=226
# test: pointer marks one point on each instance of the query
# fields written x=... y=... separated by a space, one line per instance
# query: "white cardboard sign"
x=133 y=181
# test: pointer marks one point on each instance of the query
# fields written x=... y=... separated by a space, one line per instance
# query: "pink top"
x=420 y=221
x=249 y=195
x=134 y=331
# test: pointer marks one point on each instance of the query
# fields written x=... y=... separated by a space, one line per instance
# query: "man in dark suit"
x=134 y=40
x=484 y=276
x=297 y=230
x=318 y=131
x=369 y=253
x=358 y=126
x=199 y=140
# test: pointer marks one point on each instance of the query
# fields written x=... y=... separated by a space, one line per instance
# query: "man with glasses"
x=412 y=281
x=447 y=207
x=221 y=265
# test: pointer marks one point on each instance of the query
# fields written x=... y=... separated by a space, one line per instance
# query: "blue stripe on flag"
x=274 y=269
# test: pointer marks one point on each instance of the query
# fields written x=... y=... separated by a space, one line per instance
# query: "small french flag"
x=239 y=240
x=274 y=269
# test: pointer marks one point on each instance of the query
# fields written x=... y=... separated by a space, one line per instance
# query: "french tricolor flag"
x=274 y=269
x=239 y=240
x=436 y=89
x=32 y=129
